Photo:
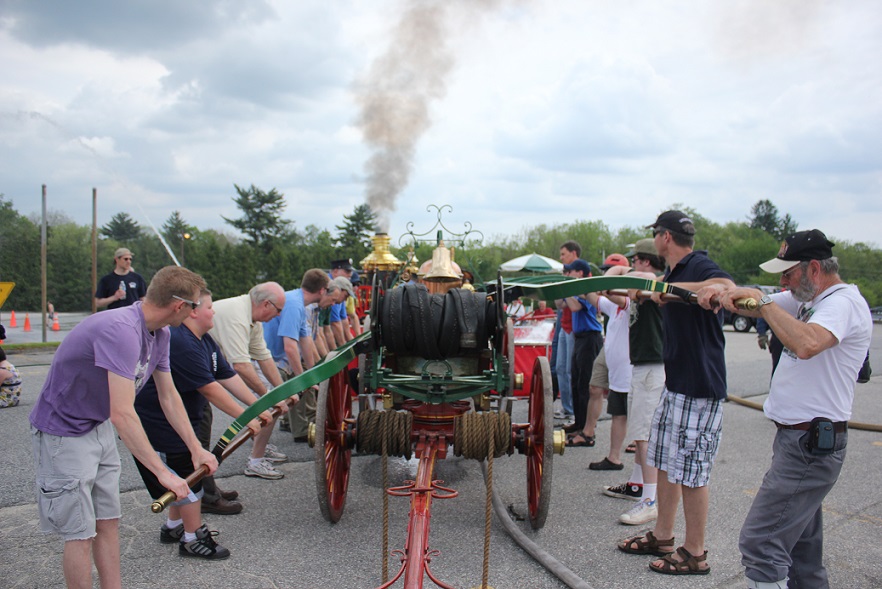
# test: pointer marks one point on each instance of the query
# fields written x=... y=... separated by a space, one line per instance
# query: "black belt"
x=838 y=426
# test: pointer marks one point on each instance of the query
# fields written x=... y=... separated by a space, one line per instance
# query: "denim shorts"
x=77 y=481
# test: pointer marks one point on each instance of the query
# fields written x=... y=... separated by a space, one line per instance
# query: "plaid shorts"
x=685 y=437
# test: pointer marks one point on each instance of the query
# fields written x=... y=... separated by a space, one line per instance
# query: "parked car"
x=742 y=323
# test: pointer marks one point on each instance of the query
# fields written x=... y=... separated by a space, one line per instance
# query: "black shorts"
x=179 y=463
x=617 y=403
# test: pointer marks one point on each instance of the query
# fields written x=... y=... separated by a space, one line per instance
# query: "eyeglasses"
x=278 y=310
x=126 y=259
x=655 y=232
x=193 y=304
x=786 y=275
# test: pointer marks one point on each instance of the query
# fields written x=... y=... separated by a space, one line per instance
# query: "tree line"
x=273 y=248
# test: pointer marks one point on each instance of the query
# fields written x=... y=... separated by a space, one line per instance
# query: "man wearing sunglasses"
x=90 y=391
x=123 y=286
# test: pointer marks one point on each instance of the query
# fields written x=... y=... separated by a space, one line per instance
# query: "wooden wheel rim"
x=540 y=438
x=332 y=456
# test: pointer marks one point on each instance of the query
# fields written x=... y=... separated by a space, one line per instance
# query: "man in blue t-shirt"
x=687 y=424
x=201 y=374
x=289 y=341
x=587 y=343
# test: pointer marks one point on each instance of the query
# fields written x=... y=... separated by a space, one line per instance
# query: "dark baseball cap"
x=800 y=247
x=578 y=265
x=676 y=221
x=342 y=264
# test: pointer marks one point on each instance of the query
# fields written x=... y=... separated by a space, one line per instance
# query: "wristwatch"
x=764 y=301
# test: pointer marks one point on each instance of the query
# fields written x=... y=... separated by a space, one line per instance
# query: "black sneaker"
x=169 y=535
x=203 y=546
x=624 y=491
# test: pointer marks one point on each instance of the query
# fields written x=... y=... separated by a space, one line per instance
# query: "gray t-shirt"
x=76 y=395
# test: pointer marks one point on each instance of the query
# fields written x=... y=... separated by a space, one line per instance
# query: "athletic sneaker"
x=262 y=469
x=643 y=512
x=203 y=546
x=624 y=491
x=272 y=454
x=169 y=535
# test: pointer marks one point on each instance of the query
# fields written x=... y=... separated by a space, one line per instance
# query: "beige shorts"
x=600 y=371
x=647 y=384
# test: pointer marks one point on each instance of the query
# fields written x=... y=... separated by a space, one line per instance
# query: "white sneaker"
x=643 y=512
x=262 y=469
x=272 y=454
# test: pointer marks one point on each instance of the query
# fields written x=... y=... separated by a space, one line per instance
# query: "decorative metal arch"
x=410 y=237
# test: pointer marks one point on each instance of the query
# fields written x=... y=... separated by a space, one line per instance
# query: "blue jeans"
x=564 y=369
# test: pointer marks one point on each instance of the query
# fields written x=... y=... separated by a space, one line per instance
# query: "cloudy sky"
x=514 y=112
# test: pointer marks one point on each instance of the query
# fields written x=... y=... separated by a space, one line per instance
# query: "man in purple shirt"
x=96 y=373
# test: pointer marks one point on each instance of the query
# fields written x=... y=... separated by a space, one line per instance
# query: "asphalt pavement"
x=281 y=540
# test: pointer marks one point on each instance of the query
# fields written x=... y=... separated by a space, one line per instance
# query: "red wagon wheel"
x=540 y=447
x=332 y=452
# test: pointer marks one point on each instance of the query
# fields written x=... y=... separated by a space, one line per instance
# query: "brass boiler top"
x=381 y=259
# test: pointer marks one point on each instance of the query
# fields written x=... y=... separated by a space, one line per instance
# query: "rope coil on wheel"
x=473 y=431
x=392 y=426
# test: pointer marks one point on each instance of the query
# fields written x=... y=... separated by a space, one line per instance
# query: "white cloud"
x=553 y=111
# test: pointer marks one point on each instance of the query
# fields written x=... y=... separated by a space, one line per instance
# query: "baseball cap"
x=800 y=247
x=578 y=265
x=643 y=246
x=355 y=278
x=344 y=283
x=614 y=260
x=123 y=251
x=676 y=221
x=342 y=264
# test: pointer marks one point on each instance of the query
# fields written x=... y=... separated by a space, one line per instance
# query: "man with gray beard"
x=825 y=326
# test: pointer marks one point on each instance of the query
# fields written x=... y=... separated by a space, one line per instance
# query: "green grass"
x=30 y=346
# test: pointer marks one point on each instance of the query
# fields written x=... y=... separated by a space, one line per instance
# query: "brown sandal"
x=647 y=544
x=689 y=565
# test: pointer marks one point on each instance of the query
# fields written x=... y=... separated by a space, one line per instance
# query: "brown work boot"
x=221 y=506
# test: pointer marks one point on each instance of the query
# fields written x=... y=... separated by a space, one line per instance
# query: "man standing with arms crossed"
x=826 y=327
x=96 y=373
x=687 y=424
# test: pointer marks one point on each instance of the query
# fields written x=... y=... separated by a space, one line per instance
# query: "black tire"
x=741 y=323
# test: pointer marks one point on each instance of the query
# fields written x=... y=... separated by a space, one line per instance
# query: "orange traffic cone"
x=27 y=325
x=12 y=321
x=55 y=326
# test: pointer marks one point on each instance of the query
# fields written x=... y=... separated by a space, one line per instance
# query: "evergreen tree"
x=121 y=228
x=261 y=220
x=175 y=227
x=354 y=235
x=764 y=215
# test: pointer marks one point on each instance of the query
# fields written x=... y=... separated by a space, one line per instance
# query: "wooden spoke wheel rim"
x=332 y=454
x=540 y=445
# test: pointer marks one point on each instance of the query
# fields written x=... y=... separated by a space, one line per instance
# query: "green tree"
x=261 y=219
x=764 y=215
x=354 y=235
x=175 y=227
x=20 y=262
x=121 y=228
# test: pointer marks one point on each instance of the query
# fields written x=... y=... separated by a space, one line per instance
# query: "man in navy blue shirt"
x=201 y=375
x=687 y=424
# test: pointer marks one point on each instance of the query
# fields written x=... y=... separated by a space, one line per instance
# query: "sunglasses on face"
x=193 y=304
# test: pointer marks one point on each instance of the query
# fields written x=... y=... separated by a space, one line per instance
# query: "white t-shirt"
x=617 y=344
x=822 y=386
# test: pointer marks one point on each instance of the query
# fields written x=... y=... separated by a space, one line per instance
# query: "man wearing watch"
x=825 y=326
